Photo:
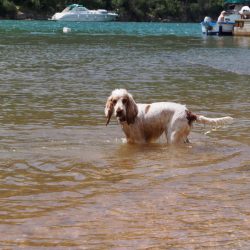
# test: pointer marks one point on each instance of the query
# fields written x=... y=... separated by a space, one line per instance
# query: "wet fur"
x=143 y=123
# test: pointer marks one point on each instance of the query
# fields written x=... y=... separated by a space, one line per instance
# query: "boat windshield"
x=81 y=9
x=74 y=7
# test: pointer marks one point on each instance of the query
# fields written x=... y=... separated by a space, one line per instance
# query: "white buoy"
x=66 y=30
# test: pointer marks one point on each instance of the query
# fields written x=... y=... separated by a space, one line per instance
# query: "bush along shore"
x=128 y=10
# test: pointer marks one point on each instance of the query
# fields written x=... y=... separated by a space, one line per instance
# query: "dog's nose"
x=119 y=112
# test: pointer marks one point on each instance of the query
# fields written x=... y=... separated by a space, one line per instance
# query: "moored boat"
x=215 y=28
x=225 y=25
x=242 y=26
x=77 y=12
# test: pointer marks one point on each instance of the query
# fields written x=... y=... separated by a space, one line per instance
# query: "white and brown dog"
x=144 y=123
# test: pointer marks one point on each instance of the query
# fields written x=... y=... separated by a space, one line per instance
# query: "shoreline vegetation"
x=128 y=10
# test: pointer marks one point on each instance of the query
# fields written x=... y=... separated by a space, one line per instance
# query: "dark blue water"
x=102 y=28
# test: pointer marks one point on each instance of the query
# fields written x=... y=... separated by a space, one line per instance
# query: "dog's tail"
x=216 y=122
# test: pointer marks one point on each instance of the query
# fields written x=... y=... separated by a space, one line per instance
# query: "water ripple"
x=68 y=181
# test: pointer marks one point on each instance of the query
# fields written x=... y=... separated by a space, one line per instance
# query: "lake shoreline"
x=24 y=17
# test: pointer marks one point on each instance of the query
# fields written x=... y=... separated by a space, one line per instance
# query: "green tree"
x=7 y=8
x=128 y=10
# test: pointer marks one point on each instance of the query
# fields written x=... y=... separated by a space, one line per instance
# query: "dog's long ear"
x=109 y=109
x=132 y=109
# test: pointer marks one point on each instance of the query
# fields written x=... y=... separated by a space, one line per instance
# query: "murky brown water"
x=68 y=182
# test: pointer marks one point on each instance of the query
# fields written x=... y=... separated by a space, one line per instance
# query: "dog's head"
x=122 y=104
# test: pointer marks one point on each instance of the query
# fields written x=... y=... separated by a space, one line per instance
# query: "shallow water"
x=69 y=182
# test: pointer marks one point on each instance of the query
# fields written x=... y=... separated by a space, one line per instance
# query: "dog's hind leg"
x=178 y=134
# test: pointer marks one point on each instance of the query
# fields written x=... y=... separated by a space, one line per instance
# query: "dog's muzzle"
x=120 y=116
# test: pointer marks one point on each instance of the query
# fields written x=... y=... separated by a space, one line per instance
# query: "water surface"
x=69 y=182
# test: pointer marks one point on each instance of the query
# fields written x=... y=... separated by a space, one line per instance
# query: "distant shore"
x=31 y=15
x=128 y=11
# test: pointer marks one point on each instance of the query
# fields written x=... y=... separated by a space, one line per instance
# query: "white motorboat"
x=77 y=12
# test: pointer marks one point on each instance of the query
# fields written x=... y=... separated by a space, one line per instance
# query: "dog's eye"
x=124 y=101
x=114 y=102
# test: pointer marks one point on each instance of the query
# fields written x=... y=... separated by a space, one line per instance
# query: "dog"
x=144 y=123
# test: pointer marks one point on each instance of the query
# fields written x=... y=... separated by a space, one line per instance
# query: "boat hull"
x=75 y=17
x=214 y=28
